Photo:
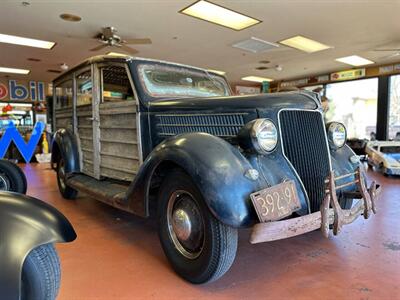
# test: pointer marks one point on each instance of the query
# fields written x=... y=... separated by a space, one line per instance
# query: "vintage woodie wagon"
x=161 y=139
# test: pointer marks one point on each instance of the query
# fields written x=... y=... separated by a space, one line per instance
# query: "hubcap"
x=185 y=224
x=4 y=183
x=181 y=224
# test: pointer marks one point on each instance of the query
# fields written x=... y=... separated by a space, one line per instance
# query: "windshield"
x=175 y=81
x=390 y=149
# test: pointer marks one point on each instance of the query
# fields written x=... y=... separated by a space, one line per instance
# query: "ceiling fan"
x=108 y=38
x=395 y=50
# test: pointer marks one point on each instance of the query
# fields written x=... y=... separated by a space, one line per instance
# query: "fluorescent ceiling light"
x=14 y=70
x=257 y=79
x=17 y=40
x=217 y=72
x=304 y=44
x=219 y=15
x=116 y=54
x=354 y=60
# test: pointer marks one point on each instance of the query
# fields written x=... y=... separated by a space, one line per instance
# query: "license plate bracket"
x=276 y=202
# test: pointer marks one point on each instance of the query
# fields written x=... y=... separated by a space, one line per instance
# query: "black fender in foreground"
x=26 y=223
x=216 y=167
x=65 y=145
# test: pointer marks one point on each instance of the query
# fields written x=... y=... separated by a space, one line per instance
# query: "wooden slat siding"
x=119 y=135
x=64 y=123
x=117 y=174
x=85 y=133
x=118 y=138
x=63 y=118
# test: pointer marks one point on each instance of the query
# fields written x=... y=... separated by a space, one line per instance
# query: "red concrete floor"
x=118 y=256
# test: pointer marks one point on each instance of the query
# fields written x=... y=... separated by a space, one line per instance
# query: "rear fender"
x=26 y=223
x=65 y=145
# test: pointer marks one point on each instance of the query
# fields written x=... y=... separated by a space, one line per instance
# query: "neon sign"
x=26 y=149
x=17 y=91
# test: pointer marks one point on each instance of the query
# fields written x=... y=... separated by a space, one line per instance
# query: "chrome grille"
x=304 y=144
x=223 y=125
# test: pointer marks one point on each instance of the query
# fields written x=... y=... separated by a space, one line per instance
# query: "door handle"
x=91 y=119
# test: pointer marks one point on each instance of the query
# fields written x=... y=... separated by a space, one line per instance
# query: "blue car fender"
x=215 y=166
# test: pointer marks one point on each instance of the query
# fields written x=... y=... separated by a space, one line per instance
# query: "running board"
x=105 y=191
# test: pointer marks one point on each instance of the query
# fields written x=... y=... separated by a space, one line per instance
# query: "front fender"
x=341 y=164
x=216 y=167
x=65 y=145
x=25 y=223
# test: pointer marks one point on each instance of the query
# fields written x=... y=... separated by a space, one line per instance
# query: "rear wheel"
x=199 y=247
x=41 y=274
x=66 y=191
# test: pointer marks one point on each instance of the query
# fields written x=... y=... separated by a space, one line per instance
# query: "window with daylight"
x=394 y=108
x=354 y=103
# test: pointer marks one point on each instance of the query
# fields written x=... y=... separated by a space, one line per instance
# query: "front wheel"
x=41 y=274
x=12 y=178
x=199 y=247
x=66 y=191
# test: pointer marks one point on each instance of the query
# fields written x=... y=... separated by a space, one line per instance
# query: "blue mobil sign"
x=27 y=149
x=14 y=90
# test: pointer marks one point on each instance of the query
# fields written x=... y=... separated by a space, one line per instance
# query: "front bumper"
x=391 y=171
x=330 y=212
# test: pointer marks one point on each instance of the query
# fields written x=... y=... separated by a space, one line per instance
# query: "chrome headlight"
x=260 y=135
x=337 y=135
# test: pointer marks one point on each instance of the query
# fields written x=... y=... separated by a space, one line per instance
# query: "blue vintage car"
x=167 y=140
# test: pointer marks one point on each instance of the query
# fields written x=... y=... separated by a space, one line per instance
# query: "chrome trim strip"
x=283 y=151
x=209 y=114
x=173 y=134
x=197 y=125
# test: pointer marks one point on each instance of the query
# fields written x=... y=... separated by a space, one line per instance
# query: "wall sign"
x=386 y=69
x=294 y=83
x=13 y=90
x=26 y=149
x=347 y=75
x=246 y=90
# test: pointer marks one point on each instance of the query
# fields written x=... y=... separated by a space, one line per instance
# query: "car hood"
x=299 y=100
x=393 y=159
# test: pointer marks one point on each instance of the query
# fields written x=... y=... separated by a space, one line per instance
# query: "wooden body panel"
x=63 y=117
x=85 y=137
x=118 y=140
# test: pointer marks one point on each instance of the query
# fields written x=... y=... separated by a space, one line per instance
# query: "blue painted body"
x=216 y=166
x=25 y=223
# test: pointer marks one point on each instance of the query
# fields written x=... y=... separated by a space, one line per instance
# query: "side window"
x=116 y=84
x=64 y=94
x=84 y=88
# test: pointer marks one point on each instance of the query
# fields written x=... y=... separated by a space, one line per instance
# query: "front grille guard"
x=330 y=212
x=340 y=216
